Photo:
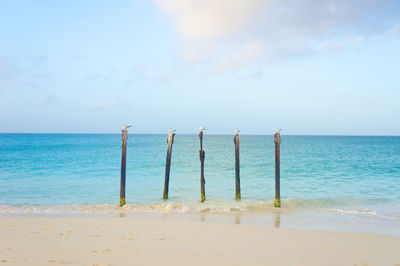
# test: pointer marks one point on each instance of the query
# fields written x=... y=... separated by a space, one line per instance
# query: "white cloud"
x=219 y=31
x=208 y=19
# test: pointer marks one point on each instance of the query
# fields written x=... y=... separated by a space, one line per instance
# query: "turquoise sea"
x=345 y=179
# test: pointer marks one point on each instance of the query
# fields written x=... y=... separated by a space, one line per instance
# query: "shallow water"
x=80 y=173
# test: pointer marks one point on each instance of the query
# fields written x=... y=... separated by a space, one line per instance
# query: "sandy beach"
x=157 y=240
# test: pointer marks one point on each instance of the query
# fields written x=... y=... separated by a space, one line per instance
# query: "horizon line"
x=212 y=134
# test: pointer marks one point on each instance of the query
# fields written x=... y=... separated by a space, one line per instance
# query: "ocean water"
x=345 y=176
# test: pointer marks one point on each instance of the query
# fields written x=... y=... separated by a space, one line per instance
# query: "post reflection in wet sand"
x=277 y=219
x=237 y=219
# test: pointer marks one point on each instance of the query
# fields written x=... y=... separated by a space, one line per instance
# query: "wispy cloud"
x=241 y=56
x=340 y=44
x=164 y=77
x=8 y=71
x=139 y=68
x=220 y=30
x=41 y=59
x=80 y=57
x=104 y=105
x=138 y=73
x=394 y=30
x=49 y=100
x=17 y=74
x=98 y=76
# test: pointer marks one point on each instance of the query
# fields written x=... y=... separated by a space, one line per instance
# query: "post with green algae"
x=123 y=165
x=202 y=156
x=277 y=140
x=236 y=140
x=170 y=141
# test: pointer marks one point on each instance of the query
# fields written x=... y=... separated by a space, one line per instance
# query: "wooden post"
x=202 y=156
x=236 y=140
x=277 y=140
x=170 y=141
x=123 y=167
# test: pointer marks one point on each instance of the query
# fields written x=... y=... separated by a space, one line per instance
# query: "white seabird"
x=202 y=128
x=171 y=130
x=125 y=127
x=278 y=130
x=237 y=131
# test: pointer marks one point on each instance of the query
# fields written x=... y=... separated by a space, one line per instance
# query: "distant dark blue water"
x=345 y=174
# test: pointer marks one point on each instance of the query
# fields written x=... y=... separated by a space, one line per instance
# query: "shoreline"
x=170 y=240
x=306 y=220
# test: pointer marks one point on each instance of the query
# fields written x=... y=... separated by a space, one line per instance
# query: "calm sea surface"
x=341 y=175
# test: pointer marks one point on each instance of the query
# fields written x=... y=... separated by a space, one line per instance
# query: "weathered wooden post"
x=277 y=140
x=123 y=165
x=202 y=156
x=236 y=140
x=170 y=141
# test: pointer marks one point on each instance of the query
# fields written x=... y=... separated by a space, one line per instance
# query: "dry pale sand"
x=168 y=241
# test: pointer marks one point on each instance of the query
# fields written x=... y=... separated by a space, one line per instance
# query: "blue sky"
x=308 y=67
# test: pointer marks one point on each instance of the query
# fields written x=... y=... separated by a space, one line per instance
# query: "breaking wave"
x=348 y=207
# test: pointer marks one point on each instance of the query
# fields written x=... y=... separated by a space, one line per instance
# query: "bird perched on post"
x=236 y=138
x=171 y=130
x=277 y=136
x=125 y=127
x=202 y=128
